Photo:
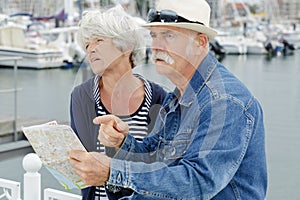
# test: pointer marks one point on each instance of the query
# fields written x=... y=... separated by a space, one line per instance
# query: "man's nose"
x=158 y=43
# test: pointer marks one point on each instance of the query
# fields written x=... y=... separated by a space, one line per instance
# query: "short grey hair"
x=125 y=31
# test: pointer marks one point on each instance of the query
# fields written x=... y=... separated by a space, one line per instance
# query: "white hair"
x=125 y=31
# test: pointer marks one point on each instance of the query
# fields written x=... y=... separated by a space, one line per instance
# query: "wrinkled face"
x=102 y=54
x=172 y=49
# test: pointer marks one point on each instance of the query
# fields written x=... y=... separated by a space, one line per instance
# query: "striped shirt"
x=138 y=121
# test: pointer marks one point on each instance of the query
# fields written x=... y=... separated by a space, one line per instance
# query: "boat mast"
x=69 y=12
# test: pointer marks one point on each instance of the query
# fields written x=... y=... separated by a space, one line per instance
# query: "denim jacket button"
x=173 y=152
x=119 y=177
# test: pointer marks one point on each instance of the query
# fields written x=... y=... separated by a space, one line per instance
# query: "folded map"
x=52 y=143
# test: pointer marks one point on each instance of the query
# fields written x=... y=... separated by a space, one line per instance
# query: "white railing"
x=50 y=194
x=15 y=90
x=32 y=184
x=11 y=189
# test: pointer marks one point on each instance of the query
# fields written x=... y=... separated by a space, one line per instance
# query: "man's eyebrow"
x=167 y=32
x=162 y=32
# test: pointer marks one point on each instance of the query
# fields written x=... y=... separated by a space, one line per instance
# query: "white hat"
x=196 y=15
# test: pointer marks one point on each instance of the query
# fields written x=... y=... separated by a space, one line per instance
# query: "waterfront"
x=275 y=82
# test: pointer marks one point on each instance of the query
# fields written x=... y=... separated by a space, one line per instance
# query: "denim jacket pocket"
x=183 y=134
x=175 y=149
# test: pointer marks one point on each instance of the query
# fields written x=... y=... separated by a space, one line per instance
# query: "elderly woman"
x=114 y=44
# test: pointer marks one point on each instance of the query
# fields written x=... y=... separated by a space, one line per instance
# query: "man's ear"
x=201 y=40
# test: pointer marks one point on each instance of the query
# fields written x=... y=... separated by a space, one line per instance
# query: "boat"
x=255 y=41
x=64 y=38
x=292 y=37
x=254 y=47
x=35 y=52
x=233 y=45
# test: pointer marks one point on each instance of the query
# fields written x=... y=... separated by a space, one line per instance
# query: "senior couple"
x=204 y=140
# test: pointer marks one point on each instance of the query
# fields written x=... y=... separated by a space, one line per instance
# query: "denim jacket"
x=207 y=144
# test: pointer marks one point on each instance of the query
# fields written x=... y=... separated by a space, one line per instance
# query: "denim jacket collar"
x=199 y=79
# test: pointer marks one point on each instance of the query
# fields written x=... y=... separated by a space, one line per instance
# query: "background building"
x=289 y=9
x=221 y=10
x=34 y=7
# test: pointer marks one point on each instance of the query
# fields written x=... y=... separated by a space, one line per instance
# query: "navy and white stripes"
x=138 y=121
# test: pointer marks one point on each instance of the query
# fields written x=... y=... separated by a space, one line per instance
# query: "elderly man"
x=208 y=141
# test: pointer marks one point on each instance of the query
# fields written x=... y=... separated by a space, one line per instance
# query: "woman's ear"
x=127 y=53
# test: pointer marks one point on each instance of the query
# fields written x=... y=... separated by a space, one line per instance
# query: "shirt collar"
x=199 y=79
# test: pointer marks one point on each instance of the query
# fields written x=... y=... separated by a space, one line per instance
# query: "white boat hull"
x=256 y=49
x=232 y=44
x=38 y=59
x=35 y=51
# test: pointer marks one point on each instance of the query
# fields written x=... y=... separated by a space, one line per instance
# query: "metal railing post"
x=32 y=184
x=32 y=178
x=15 y=100
x=15 y=60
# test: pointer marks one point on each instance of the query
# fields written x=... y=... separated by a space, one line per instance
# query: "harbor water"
x=275 y=82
